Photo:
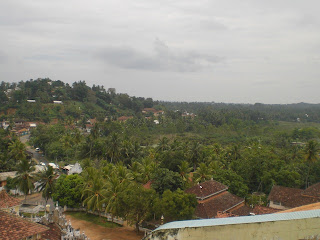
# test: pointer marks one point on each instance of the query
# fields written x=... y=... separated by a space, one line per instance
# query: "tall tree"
x=311 y=151
x=46 y=180
x=24 y=177
x=95 y=194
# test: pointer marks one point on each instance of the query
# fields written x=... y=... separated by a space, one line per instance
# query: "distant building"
x=285 y=198
x=57 y=102
x=213 y=197
x=76 y=169
x=31 y=101
x=152 y=110
x=124 y=118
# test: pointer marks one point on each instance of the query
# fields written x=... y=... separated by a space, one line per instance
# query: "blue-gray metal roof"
x=241 y=220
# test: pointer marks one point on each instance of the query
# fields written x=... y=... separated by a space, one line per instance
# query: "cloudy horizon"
x=207 y=50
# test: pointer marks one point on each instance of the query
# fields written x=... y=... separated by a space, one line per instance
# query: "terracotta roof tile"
x=312 y=191
x=124 y=118
x=54 y=233
x=14 y=227
x=206 y=189
x=259 y=210
x=243 y=210
x=6 y=201
x=223 y=202
x=290 y=197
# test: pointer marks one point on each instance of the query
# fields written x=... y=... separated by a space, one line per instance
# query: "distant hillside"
x=57 y=99
x=24 y=99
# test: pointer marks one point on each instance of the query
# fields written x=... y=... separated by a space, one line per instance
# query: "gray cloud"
x=163 y=58
x=3 y=57
x=211 y=50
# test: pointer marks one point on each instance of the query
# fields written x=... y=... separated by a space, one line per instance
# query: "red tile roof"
x=225 y=214
x=54 y=233
x=149 y=110
x=243 y=210
x=14 y=227
x=147 y=185
x=222 y=202
x=207 y=189
x=124 y=118
x=292 y=197
x=312 y=191
x=259 y=210
x=6 y=201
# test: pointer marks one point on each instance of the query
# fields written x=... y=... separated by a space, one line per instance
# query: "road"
x=37 y=156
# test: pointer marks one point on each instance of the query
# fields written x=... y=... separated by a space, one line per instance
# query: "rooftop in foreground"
x=241 y=220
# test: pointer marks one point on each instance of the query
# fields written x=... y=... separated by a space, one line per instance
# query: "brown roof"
x=206 y=189
x=225 y=214
x=290 y=197
x=14 y=227
x=223 y=202
x=259 y=210
x=147 y=185
x=53 y=233
x=124 y=118
x=313 y=206
x=149 y=110
x=312 y=191
x=6 y=201
x=243 y=210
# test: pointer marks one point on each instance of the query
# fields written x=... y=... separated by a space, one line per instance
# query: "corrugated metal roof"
x=241 y=220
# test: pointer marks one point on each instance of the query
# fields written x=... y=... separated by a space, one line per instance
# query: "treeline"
x=223 y=113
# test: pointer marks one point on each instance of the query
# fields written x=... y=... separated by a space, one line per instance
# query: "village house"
x=213 y=197
x=15 y=228
x=72 y=169
x=285 y=197
x=9 y=203
x=124 y=118
x=153 y=111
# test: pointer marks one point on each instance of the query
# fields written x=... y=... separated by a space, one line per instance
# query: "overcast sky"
x=206 y=50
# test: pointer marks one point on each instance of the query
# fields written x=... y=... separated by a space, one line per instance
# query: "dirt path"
x=96 y=232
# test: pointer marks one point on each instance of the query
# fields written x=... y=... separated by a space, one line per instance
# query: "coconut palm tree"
x=203 y=173
x=311 y=155
x=115 y=190
x=114 y=147
x=195 y=154
x=46 y=180
x=95 y=194
x=24 y=179
x=184 y=171
x=17 y=150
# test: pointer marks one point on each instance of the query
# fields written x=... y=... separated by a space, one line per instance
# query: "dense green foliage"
x=247 y=147
x=69 y=190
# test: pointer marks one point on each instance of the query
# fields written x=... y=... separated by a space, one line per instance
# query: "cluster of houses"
x=19 y=126
x=214 y=200
x=52 y=226
x=291 y=214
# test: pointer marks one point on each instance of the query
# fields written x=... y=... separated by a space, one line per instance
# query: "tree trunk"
x=307 y=176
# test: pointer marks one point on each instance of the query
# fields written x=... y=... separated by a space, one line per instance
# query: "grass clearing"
x=102 y=221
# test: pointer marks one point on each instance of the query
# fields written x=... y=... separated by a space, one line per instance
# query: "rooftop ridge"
x=241 y=220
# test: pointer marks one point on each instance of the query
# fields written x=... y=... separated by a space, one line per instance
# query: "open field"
x=97 y=232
